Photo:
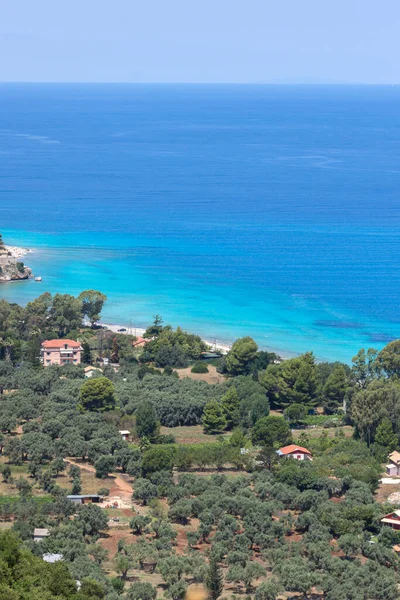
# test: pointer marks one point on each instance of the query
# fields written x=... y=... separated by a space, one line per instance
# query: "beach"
x=139 y=331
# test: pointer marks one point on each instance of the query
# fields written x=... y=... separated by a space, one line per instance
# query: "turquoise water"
x=232 y=210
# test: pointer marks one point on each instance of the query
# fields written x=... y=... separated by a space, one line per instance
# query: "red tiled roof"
x=293 y=448
x=60 y=343
x=140 y=341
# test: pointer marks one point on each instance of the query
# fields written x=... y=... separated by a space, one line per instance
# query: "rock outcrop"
x=11 y=266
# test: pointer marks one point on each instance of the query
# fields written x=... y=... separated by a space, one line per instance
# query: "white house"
x=393 y=467
x=293 y=451
x=40 y=534
x=125 y=434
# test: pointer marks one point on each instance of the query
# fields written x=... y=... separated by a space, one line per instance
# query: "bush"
x=103 y=491
x=199 y=367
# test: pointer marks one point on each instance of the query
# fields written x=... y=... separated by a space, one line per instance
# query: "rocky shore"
x=11 y=266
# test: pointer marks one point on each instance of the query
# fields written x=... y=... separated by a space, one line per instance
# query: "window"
x=48 y=354
x=48 y=361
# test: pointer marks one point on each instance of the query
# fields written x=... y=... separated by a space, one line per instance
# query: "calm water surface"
x=232 y=210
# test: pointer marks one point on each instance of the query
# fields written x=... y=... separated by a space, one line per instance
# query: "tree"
x=147 y=424
x=253 y=570
x=365 y=366
x=295 y=413
x=268 y=590
x=350 y=544
x=86 y=354
x=97 y=394
x=158 y=458
x=271 y=430
x=230 y=405
x=115 y=351
x=181 y=511
x=214 y=580
x=292 y=381
x=214 y=419
x=57 y=466
x=92 y=304
x=335 y=390
x=240 y=356
x=6 y=473
x=385 y=435
x=123 y=563
x=23 y=486
x=65 y=314
x=104 y=465
x=367 y=410
x=141 y=590
x=144 y=490
x=155 y=329
x=92 y=519
x=99 y=553
x=139 y=523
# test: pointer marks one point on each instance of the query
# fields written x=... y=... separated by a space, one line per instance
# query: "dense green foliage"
x=277 y=526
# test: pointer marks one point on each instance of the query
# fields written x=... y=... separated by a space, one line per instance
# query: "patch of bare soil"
x=211 y=377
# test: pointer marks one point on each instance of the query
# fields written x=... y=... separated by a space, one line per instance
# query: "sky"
x=214 y=41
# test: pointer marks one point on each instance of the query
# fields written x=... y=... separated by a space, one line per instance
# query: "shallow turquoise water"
x=232 y=210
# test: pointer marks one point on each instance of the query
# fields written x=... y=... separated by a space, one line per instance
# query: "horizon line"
x=217 y=83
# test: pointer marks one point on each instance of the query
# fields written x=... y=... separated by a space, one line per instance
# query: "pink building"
x=61 y=352
x=297 y=452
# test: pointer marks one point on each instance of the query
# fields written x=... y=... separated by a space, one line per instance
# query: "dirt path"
x=122 y=487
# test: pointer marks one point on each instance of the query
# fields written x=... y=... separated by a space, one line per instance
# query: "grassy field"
x=189 y=435
x=317 y=432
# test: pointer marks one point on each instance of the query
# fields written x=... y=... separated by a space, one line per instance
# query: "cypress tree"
x=214 y=580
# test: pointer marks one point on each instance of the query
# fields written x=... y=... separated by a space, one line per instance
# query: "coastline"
x=223 y=347
x=17 y=252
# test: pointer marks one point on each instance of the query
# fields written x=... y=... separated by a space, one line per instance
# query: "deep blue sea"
x=270 y=211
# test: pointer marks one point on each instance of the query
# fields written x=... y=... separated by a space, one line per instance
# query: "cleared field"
x=317 y=431
x=211 y=377
x=189 y=435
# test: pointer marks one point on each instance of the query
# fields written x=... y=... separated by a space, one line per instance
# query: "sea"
x=231 y=210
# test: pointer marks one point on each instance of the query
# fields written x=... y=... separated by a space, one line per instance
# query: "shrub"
x=199 y=367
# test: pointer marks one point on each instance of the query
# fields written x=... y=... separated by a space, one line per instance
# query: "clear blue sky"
x=349 y=41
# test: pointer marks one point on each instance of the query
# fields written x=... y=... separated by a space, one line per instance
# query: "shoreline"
x=17 y=252
x=223 y=347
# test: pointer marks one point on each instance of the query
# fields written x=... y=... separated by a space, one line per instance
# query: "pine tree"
x=213 y=418
x=86 y=355
x=385 y=435
x=335 y=389
x=230 y=405
x=214 y=580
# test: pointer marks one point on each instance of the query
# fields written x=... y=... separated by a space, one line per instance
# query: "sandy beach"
x=139 y=331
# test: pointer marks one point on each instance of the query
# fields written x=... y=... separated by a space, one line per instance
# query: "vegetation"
x=227 y=513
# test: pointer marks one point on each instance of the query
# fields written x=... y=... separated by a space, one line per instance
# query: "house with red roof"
x=392 y=519
x=61 y=352
x=140 y=342
x=294 y=451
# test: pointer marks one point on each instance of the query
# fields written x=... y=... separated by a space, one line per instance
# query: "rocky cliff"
x=11 y=266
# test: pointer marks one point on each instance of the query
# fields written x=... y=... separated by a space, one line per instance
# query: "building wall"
x=55 y=356
x=299 y=456
x=393 y=469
